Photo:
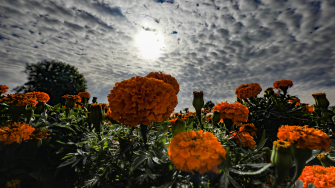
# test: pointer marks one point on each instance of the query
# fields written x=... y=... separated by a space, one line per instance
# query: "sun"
x=150 y=44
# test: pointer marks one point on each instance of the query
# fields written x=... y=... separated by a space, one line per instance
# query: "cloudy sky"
x=212 y=46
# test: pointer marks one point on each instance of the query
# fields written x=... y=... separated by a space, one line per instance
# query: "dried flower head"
x=196 y=150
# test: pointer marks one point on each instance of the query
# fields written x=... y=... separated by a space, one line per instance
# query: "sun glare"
x=150 y=44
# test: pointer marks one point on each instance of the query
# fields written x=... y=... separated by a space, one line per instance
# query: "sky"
x=212 y=46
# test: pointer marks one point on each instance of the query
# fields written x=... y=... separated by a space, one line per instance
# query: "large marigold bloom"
x=282 y=83
x=166 y=78
x=321 y=177
x=237 y=112
x=20 y=99
x=84 y=95
x=141 y=100
x=304 y=137
x=196 y=150
x=15 y=132
x=248 y=141
x=245 y=91
x=41 y=96
x=3 y=89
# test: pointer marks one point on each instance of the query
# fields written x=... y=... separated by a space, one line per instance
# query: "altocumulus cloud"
x=212 y=46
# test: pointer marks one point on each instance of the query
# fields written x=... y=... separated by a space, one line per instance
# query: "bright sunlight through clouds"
x=150 y=44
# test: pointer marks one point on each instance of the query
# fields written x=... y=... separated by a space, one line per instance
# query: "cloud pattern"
x=212 y=46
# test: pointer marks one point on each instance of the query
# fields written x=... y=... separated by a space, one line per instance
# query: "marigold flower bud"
x=198 y=100
x=282 y=159
x=179 y=126
x=216 y=117
x=321 y=100
x=325 y=160
x=97 y=115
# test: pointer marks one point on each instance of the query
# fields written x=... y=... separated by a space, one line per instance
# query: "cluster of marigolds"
x=144 y=100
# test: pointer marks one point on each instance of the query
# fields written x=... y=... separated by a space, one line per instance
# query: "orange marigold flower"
x=38 y=134
x=13 y=184
x=209 y=118
x=321 y=177
x=245 y=91
x=196 y=150
x=3 y=89
x=248 y=141
x=237 y=112
x=15 y=132
x=249 y=128
x=282 y=83
x=304 y=137
x=141 y=100
x=294 y=100
x=76 y=98
x=84 y=95
x=172 y=121
x=166 y=78
x=41 y=96
x=277 y=94
x=20 y=99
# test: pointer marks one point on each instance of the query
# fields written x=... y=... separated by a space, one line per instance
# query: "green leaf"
x=67 y=162
x=251 y=173
x=262 y=142
x=234 y=182
x=139 y=160
x=224 y=181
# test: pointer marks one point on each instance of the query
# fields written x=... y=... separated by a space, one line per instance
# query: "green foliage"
x=209 y=105
x=76 y=156
x=55 y=78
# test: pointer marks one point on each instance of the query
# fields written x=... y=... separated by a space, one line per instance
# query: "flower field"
x=137 y=141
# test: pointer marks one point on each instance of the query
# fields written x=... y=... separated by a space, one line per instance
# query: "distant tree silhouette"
x=55 y=78
x=209 y=105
